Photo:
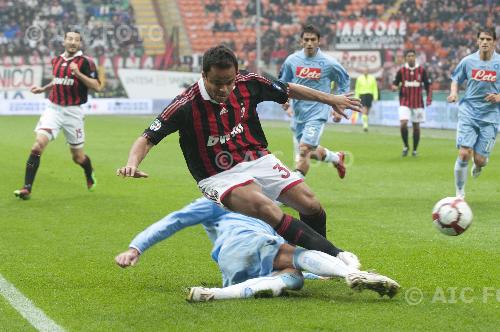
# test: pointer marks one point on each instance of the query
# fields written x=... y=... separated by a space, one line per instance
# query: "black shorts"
x=366 y=100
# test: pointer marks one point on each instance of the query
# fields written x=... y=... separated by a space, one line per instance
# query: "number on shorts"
x=282 y=169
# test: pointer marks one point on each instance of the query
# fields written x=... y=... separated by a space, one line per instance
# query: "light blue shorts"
x=476 y=134
x=248 y=255
x=309 y=132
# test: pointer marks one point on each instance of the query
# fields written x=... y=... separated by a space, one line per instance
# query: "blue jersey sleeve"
x=459 y=75
x=341 y=78
x=200 y=211
x=286 y=73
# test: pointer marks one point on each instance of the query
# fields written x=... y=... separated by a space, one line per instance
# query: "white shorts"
x=67 y=118
x=268 y=172
x=416 y=115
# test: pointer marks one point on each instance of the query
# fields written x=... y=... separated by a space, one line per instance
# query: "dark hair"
x=410 y=51
x=71 y=30
x=490 y=31
x=219 y=56
x=310 y=29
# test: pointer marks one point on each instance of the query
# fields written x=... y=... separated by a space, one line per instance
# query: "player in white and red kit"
x=412 y=79
x=74 y=74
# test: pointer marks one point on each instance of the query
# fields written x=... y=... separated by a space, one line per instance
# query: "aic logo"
x=484 y=75
x=309 y=73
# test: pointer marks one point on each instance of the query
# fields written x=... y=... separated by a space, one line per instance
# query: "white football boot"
x=200 y=294
x=372 y=281
x=460 y=193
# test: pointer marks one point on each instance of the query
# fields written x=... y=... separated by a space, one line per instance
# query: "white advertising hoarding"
x=16 y=81
x=355 y=61
x=155 y=84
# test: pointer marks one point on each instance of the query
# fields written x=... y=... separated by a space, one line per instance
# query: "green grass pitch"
x=58 y=247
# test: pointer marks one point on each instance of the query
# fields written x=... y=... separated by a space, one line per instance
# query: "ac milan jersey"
x=413 y=81
x=67 y=89
x=482 y=79
x=214 y=136
x=316 y=72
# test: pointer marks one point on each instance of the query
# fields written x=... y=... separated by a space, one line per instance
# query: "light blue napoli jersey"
x=483 y=77
x=317 y=72
x=219 y=224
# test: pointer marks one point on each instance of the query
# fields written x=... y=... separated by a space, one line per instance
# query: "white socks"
x=250 y=287
x=331 y=157
x=320 y=263
x=460 y=173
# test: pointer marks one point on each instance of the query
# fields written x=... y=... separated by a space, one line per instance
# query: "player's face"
x=72 y=42
x=310 y=43
x=485 y=42
x=410 y=59
x=219 y=82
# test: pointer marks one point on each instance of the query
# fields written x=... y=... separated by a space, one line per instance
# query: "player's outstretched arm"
x=128 y=258
x=453 y=97
x=36 y=89
x=338 y=102
x=137 y=153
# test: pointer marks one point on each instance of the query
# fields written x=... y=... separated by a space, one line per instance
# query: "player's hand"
x=74 y=68
x=394 y=87
x=131 y=172
x=341 y=102
x=428 y=102
x=36 y=90
x=493 y=97
x=452 y=98
x=128 y=258
x=285 y=106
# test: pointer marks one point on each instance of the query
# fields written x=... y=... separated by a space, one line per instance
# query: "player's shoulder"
x=295 y=56
x=244 y=76
x=471 y=57
x=185 y=99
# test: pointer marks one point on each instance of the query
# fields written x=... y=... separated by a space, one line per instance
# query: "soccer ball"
x=452 y=216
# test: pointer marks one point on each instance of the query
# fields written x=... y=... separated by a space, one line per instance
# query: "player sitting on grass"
x=254 y=260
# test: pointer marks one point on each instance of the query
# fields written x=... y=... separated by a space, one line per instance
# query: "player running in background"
x=314 y=69
x=74 y=74
x=479 y=109
x=253 y=259
x=226 y=150
x=411 y=80
x=366 y=89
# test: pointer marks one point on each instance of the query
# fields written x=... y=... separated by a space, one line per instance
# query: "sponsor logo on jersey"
x=412 y=84
x=64 y=80
x=212 y=140
x=308 y=73
x=155 y=125
x=484 y=75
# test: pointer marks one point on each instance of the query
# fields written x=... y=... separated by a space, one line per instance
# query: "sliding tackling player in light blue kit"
x=254 y=260
x=479 y=109
x=314 y=69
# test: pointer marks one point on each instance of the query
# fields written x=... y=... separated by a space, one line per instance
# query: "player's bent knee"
x=293 y=280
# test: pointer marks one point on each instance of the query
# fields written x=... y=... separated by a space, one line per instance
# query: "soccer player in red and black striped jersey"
x=411 y=80
x=74 y=74
x=226 y=150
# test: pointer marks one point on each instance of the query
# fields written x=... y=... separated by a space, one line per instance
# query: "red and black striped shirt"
x=67 y=89
x=213 y=136
x=413 y=81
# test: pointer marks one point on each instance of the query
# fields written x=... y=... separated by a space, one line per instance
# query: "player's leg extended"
x=308 y=135
x=80 y=158
x=466 y=139
x=250 y=200
x=364 y=117
x=33 y=162
x=416 y=137
x=336 y=158
x=257 y=287
x=483 y=147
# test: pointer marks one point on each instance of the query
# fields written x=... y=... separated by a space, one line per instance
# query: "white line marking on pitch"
x=26 y=308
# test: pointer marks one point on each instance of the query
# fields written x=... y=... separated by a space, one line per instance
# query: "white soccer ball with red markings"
x=452 y=216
